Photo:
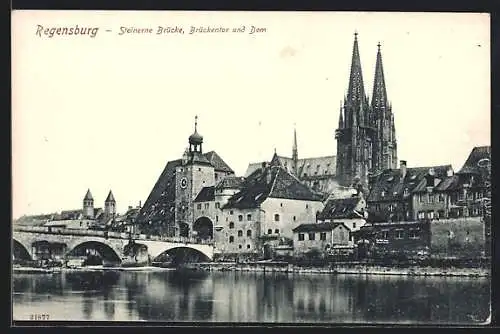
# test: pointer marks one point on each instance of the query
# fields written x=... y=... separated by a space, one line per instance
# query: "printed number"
x=39 y=317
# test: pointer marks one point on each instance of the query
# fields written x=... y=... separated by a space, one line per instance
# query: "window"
x=421 y=215
x=207 y=205
x=217 y=205
x=269 y=231
x=441 y=197
x=240 y=233
x=231 y=225
x=240 y=218
x=216 y=218
x=322 y=236
x=239 y=246
x=248 y=246
x=353 y=225
x=276 y=217
x=312 y=236
x=301 y=236
x=307 y=206
x=341 y=235
x=431 y=198
x=413 y=234
x=249 y=217
x=399 y=234
x=294 y=218
x=281 y=204
x=231 y=212
x=231 y=239
x=277 y=231
x=391 y=208
x=249 y=233
x=199 y=169
x=430 y=214
x=420 y=198
x=384 y=235
x=198 y=206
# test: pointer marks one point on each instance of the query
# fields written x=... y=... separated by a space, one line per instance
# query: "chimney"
x=140 y=204
x=402 y=167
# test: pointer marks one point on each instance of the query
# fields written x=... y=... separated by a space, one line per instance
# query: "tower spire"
x=379 y=96
x=341 y=117
x=356 y=90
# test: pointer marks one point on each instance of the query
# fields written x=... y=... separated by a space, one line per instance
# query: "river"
x=172 y=296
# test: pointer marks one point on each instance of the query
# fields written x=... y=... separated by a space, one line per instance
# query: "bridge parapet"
x=109 y=234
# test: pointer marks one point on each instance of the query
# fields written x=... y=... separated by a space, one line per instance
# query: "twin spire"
x=356 y=97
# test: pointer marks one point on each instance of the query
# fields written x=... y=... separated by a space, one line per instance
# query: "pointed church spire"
x=110 y=197
x=295 y=152
x=294 y=139
x=88 y=196
x=356 y=90
x=379 y=96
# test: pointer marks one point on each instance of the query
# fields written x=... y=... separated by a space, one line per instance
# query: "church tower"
x=110 y=204
x=194 y=173
x=385 y=145
x=356 y=130
x=88 y=205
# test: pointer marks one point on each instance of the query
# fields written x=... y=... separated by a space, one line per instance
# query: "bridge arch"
x=183 y=254
x=106 y=251
x=20 y=250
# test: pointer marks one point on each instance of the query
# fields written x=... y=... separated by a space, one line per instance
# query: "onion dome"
x=195 y=138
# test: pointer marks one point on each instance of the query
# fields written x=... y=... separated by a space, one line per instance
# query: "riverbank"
x=347 y=270
x=290 y=269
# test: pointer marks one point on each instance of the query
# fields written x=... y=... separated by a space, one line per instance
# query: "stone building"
x=261 y=214
x=170 y=207
x=366 y=134
x=408 y=194
x=320 y=238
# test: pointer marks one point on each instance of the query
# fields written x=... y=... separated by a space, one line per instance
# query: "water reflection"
x=251 y=297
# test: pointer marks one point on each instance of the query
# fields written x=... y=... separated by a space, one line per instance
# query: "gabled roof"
x=389 y=186
x=206 y=194
x=318 y=227
x=270 y=182
x=160 y=204
x=217 y=162
x=338 y=208
x=477 y=154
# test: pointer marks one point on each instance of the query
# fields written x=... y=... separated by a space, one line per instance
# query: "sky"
x=108 y=112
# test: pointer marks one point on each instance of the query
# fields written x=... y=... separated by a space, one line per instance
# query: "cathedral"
x=366 y=138
x=366 y=134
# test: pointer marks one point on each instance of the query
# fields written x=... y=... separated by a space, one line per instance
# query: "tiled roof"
x=88 y=195
x=217 y=162
x=160 y=204
x=206 y=194
x=231 y=182
x=315 y=166
x=389 y=184
x=317 y=227
x=338 y=208
x=110 y=197
x=280 y=184
x=471 y=164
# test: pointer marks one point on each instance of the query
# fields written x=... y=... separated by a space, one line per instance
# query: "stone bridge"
x=112 y=242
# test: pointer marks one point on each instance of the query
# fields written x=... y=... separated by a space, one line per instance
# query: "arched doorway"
x=204 y=228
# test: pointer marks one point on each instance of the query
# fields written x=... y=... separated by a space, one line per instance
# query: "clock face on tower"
x=183 y=183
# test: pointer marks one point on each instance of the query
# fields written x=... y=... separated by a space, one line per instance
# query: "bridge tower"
x=194 y=173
